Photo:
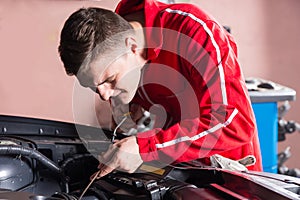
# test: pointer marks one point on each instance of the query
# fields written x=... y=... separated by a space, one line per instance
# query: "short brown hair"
x=83 y=31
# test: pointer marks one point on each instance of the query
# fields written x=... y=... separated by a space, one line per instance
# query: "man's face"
x=115 y=78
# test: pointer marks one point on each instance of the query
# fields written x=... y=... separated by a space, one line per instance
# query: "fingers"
x=104 y=170
x=107 y=161
x=122 y=155
x=107 y=156
x=93 y=176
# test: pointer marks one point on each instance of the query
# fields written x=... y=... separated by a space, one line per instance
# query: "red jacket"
x=194 y=85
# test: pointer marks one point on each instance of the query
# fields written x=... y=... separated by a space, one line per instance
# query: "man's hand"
x=123 y=155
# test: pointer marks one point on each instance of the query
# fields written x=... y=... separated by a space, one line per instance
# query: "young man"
x=176 y=62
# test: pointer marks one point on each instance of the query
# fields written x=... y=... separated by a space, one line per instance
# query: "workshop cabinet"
x=265 y=96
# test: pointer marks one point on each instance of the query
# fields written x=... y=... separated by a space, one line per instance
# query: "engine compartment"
x=43 y=159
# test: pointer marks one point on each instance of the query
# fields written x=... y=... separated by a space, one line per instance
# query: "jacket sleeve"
x=225 y=120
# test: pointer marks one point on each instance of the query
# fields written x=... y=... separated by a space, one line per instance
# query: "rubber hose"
x=32 y=153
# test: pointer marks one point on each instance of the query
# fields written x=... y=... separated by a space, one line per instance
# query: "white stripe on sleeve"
x=199 y=135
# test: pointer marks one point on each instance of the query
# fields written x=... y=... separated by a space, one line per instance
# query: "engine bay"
x=44 y=159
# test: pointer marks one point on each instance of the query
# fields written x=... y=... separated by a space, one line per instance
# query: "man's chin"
x=122 y=99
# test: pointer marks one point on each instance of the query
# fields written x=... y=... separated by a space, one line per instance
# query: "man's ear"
x=131 y=44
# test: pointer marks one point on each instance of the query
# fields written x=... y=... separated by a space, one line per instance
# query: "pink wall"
x=32 y=78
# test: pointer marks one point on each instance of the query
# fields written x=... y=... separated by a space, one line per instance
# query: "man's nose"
x=104 y=92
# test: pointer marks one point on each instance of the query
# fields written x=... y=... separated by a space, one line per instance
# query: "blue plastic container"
x=265 y=96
